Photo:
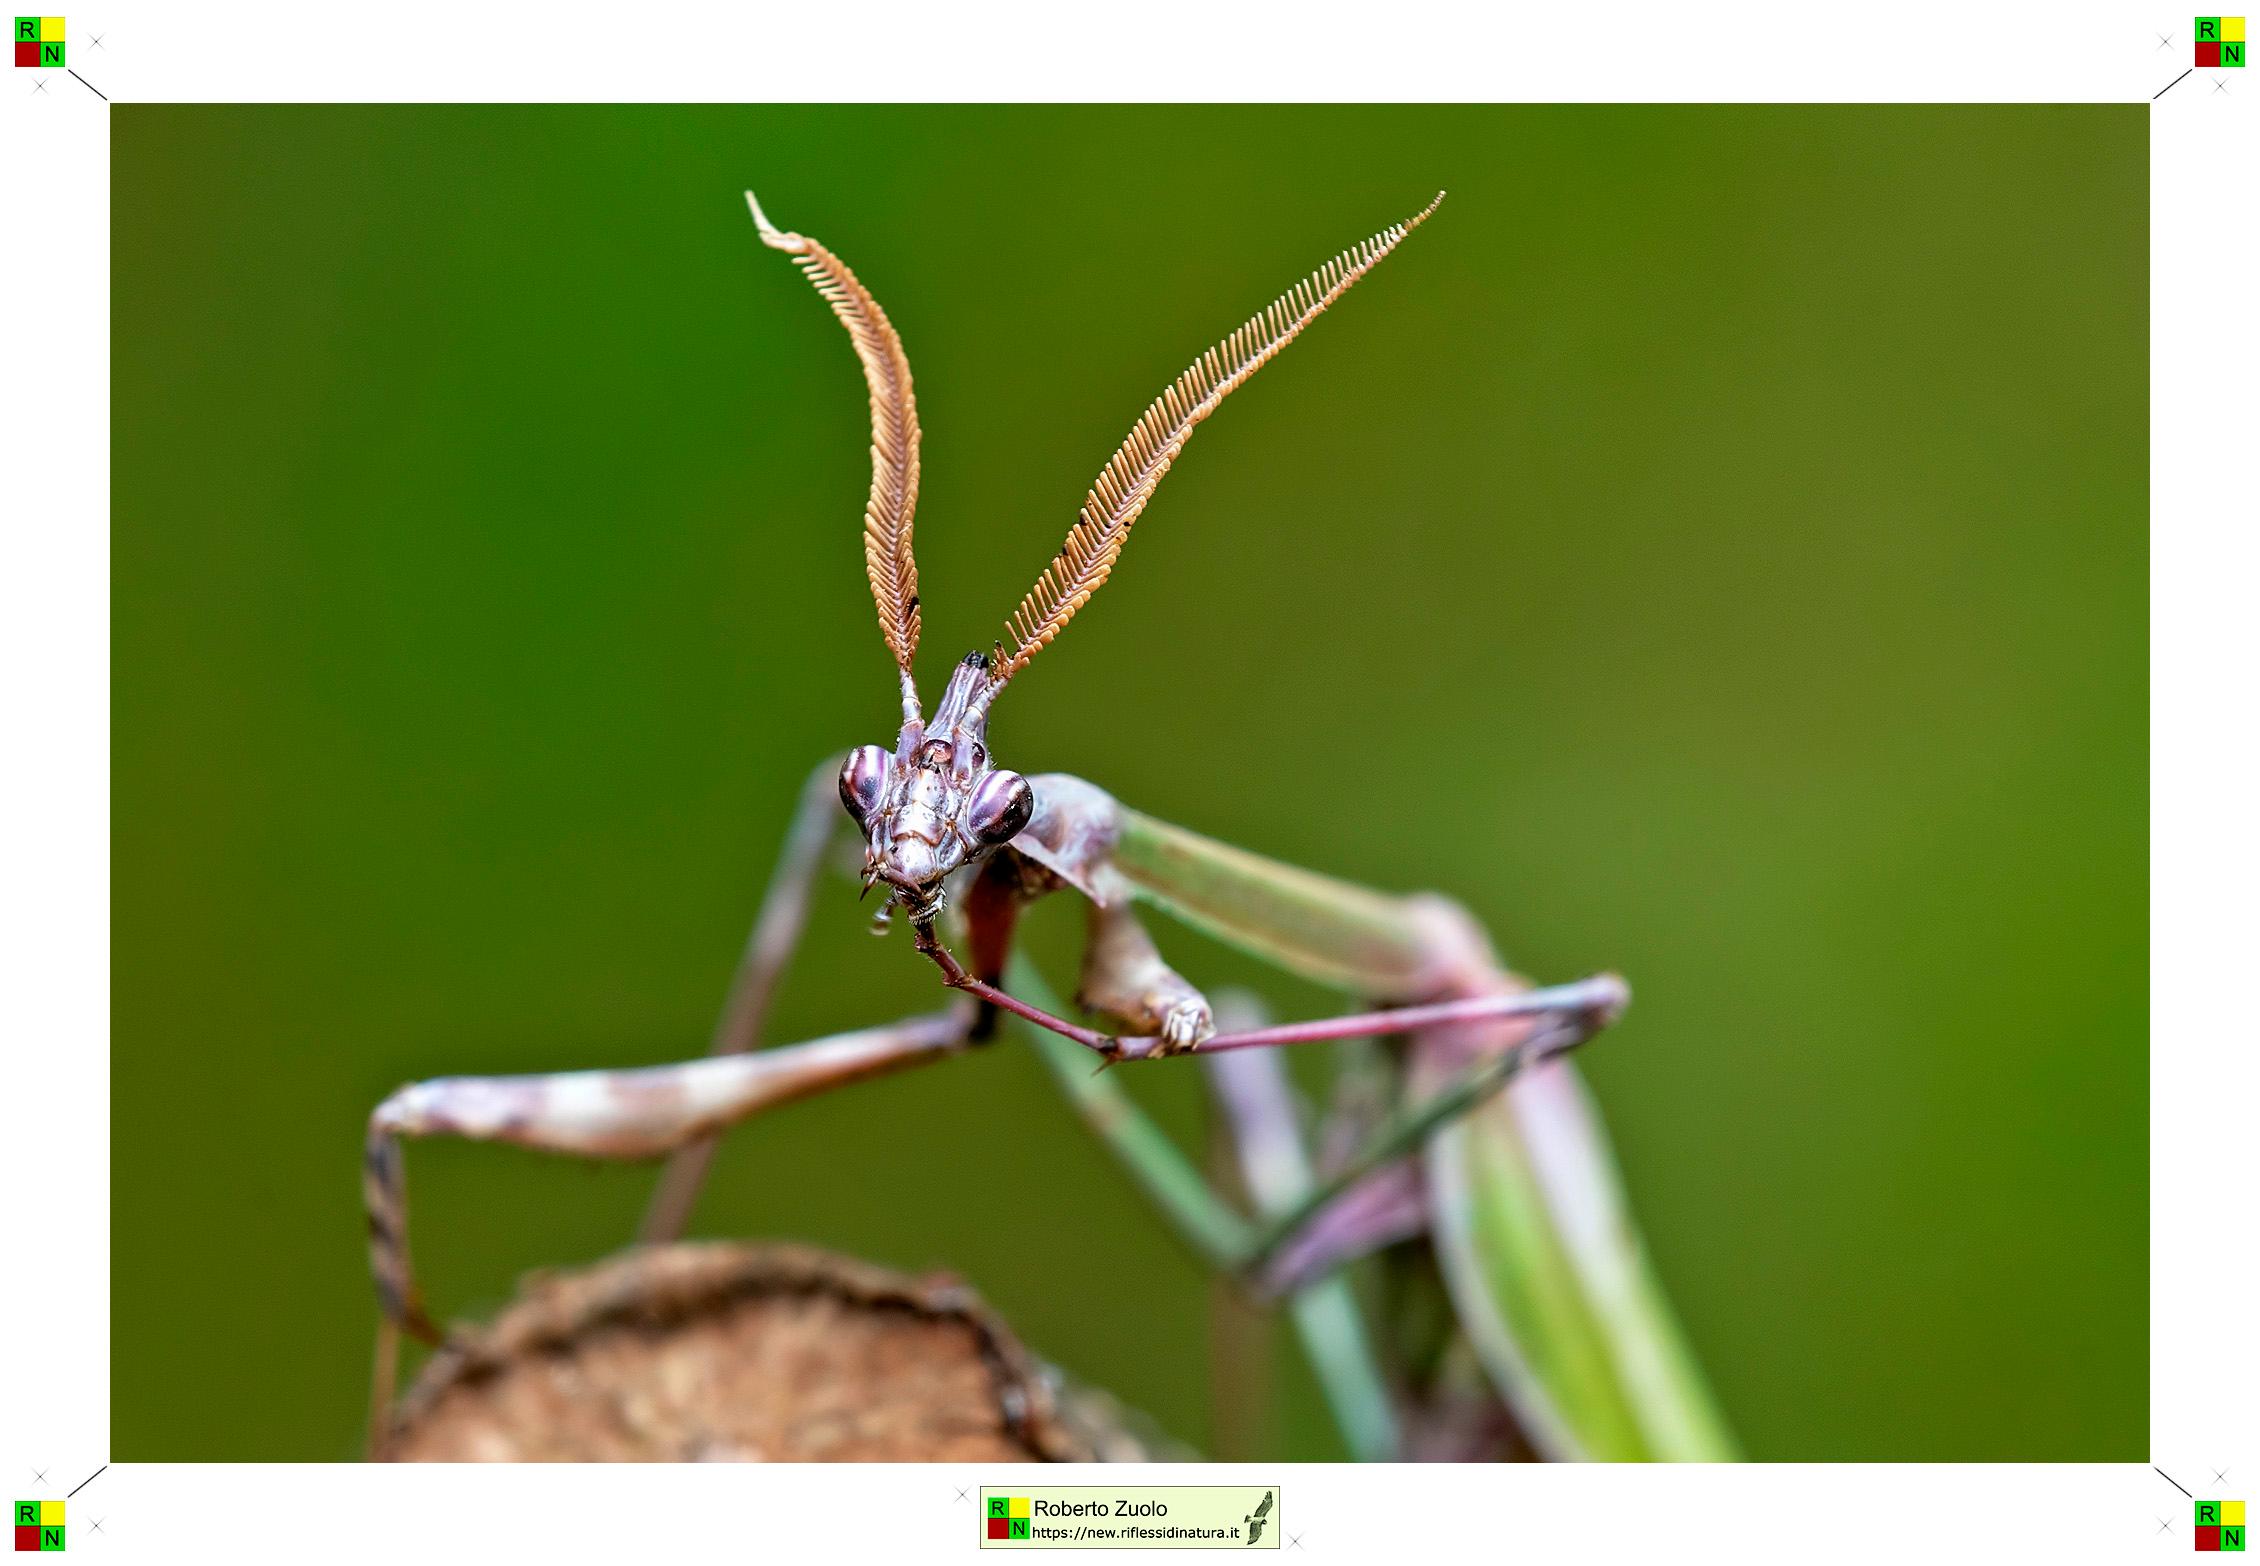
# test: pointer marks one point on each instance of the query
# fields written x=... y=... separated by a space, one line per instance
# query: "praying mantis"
x=1456 y=1139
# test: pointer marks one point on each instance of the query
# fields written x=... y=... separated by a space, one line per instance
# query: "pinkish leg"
x=613 y=1114
x=1600 y=1000
x=955 y=976
x=1595 y=1002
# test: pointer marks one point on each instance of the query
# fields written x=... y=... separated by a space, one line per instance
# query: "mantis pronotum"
x=1507 y=1176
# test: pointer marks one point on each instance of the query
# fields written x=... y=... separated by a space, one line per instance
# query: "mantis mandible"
x=1499 y=1163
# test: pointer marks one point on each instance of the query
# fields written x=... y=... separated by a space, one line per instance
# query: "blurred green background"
x=1713 y=548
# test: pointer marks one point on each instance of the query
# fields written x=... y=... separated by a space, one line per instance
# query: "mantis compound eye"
x=862 y=781
x=999 y=808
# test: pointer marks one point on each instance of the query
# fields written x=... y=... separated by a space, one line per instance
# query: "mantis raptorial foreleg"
x=1392 y=948
x=776 y=933
x=1126 y=981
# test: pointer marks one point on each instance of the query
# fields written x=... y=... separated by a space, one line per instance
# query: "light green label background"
x=1221 y=1510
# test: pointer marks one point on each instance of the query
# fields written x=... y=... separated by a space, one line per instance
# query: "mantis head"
x=934 y=803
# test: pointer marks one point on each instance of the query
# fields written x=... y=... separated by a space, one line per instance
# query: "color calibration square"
x=39 y=41
x=39 y=1525
x=1008 y=1517
x=2220 y=41
x=2220 y=1525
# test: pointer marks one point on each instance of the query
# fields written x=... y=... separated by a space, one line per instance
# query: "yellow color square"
x=51 y=31
x=2232 y=31
x=2232 y=1512
x=1020 y=1506
x=50 y=1514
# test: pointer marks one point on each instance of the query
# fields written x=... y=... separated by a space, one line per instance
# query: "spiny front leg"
x=1125 y=979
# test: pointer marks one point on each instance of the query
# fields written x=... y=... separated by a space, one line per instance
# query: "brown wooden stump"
x=745 y=1353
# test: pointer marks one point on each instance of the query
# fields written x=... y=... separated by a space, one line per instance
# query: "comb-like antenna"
x=1127 y=482
x=894 y=440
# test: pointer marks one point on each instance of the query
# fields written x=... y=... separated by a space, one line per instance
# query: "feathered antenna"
x=1127 y=482
x=894 y=440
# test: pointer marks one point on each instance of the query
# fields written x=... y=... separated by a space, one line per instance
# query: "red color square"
x=2207 y=54
x=998 y=1525
x=2208 y=1538
x=26 y=54
x=27 y=1536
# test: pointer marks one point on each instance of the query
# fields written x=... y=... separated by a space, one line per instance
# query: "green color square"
x=2208 y=29
x=27 y=29
x=27 y=1514
x=2232 y=1539
x=2232 y=55
x=51 y=56
x=51 y=1538
x=998 y=1505
x=2208 y=1513
x=1016 y=1528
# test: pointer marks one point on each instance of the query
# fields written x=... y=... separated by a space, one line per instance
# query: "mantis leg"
x=640 y=1113
x=776 y=932
x=1124 y=973
x=1125 y=980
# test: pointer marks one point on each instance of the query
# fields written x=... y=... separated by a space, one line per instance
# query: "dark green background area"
x=1713 y=548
